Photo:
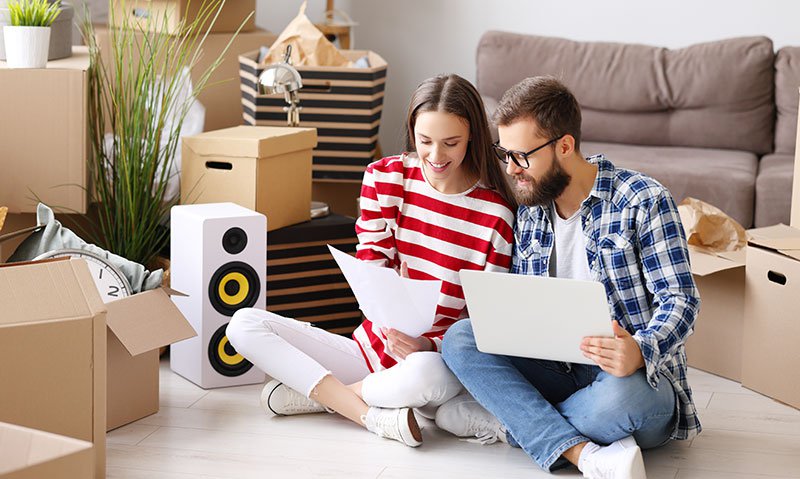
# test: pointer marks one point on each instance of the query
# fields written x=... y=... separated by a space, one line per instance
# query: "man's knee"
x=631 y=394
x=458 y=341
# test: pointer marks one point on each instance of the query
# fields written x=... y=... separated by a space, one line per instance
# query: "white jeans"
x=300 y=355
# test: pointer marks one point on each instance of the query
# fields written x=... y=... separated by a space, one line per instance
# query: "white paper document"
x=387 y=299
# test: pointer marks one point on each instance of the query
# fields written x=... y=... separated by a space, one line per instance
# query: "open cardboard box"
x=137 y=327
x=716 y=345
x=770 y=355
x=53 y=351
x=31 y=454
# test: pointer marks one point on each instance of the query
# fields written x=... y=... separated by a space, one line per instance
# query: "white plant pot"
x=26 y=47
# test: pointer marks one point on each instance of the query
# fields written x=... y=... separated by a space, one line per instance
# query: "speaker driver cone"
x=223 y=357
x=233 y=286
x=234 y=240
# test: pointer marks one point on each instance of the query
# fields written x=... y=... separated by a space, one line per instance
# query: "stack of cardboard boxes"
x=749 y=324
x=268 y=169
x=75 y=366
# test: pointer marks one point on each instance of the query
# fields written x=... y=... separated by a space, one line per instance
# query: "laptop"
x=534 y=316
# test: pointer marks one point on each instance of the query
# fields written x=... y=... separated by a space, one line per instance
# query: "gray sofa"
x=715 y=121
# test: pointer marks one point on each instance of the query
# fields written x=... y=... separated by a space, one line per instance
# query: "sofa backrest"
x=787 y=82
x=714 y=95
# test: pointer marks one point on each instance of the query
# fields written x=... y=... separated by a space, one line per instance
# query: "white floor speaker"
x=219 y=260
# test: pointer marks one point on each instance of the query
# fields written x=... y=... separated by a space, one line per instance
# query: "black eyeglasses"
x=519 y=158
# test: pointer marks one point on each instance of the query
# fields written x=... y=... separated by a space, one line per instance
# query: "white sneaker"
x=618 y=460
x=464 y=417
x=281 y=400
x=398 y=424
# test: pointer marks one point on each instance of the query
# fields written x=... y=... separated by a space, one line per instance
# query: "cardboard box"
x=266 y=169
x=341 y=198
x=53 y=351
x=222 y=98
x=795 y=218
x=137 y=327
x=343 y=103
x=716 y=345
x=770 y=353
x=153 y=14
x=303 y=280
x=44 y=135
x=30 y=454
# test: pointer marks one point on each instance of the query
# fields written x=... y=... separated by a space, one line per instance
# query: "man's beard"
x=544 y=191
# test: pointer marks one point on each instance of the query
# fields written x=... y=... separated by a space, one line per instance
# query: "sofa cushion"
x=712 y=95
x=787 y=81
x=723 y=178
x=774 y=190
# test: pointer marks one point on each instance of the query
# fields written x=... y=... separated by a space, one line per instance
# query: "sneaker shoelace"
x=486 y=431
x=297 y=402
x=386 y=425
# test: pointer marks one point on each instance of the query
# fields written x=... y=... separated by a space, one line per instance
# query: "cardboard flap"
x=24 y=447
x=147 y=321
x=705 y=263
x=46 y=291
x=781 y=238
x=252 y=141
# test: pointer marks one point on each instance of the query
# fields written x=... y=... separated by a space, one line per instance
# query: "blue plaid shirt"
x=636 y=247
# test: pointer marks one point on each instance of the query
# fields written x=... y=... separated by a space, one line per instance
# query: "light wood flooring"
x=223 y=433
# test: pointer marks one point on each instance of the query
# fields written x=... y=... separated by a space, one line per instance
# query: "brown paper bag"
x=309 y=45
x=3 y=212
x=709 y=228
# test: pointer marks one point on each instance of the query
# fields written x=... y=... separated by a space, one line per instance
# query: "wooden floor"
x=223 y=433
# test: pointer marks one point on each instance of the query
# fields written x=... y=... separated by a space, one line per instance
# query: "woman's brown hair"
x=455 y=95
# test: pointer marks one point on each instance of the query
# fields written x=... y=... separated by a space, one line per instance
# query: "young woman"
x=442 y=207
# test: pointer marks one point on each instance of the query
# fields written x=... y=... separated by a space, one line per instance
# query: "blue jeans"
x=548 y=407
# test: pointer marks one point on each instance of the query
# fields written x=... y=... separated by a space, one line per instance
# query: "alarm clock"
x=110 y=281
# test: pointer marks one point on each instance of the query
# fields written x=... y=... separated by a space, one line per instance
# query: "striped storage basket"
x=344 y=104
x=303 y=280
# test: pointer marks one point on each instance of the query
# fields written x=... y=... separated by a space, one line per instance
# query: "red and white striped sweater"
x=403 y=218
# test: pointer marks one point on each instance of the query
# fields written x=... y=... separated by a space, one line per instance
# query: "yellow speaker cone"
x=244 y=288
x=225 y=357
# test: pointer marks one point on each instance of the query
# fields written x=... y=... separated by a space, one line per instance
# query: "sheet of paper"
x=387 y=299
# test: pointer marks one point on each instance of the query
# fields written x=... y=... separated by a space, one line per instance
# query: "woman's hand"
x=401 y=345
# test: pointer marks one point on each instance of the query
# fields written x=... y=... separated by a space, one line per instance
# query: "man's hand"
x=619 y=356
x=401 y=345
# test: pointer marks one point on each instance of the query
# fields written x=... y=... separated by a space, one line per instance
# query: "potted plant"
x=138 y=101
x=27 y=39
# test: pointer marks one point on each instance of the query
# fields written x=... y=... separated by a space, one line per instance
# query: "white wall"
x=421 y=38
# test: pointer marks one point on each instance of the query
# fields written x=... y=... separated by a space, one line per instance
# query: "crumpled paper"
x=709 y=229
x=309 y=45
